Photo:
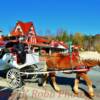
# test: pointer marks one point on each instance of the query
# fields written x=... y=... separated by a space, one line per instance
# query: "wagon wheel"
x=34 y=69
x=14 y=78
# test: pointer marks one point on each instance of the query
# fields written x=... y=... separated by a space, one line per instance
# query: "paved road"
x=31 y=91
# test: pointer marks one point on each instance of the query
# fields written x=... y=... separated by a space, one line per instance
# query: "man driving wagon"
x=20 y=49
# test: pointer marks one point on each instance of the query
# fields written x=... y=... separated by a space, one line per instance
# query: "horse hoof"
x=91 y=94
x=44 y=84
x=76 y=93
x=57 y=89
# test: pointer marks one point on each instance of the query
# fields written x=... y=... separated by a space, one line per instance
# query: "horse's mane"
x=89 y=55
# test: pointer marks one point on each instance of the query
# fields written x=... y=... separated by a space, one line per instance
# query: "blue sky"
x=71 y=15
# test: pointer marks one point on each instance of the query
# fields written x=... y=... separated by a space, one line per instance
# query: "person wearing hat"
x=19 y=48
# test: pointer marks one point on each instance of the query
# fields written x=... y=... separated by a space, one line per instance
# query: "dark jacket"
x=19 y=48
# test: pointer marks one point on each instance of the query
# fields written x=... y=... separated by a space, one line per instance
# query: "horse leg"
x=89 y=83
x=53 y=80
x=45 y=80
x=76 y=84
x=46 y=75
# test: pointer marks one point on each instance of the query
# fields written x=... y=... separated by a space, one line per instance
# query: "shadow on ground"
x=5 y=93
x=70 y=82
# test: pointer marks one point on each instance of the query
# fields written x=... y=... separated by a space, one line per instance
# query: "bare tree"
x=78 y=38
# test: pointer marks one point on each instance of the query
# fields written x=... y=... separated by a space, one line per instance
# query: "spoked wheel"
x=14 y=78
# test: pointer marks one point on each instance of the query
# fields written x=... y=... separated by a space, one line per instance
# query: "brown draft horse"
x=60 y=61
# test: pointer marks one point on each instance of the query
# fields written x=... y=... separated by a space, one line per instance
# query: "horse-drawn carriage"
x=57 y=62
x=15 y=72
x=32 y=68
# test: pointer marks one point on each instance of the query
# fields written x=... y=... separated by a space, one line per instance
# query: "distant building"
x=58 y=44
x=28 y=30
x=97 y=35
